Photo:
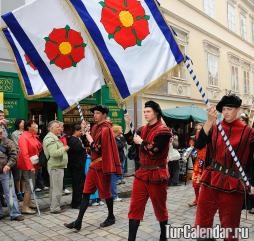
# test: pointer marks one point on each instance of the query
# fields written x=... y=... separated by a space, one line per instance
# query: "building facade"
x=218 y=35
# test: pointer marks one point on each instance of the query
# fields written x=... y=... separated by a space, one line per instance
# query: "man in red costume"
x=151 y=178
x=105 y=161
x=222 y=188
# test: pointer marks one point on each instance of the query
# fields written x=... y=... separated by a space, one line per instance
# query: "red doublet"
x=241 y=138
x=221 y=191
x=104 y=147
x=152 y=176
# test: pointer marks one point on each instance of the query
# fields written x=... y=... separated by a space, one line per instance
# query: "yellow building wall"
x=189 y=17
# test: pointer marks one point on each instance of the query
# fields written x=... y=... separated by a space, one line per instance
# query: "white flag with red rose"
x=133 y=40
x=49 y=34
x=31 y=80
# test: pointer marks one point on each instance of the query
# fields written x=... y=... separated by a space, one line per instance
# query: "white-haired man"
x=56 y=153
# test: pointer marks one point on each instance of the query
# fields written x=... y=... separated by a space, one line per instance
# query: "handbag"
x=174 y=155
x=34 y=159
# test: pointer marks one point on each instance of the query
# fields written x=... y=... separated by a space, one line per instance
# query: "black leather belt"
x=151 y=167
x=227 y=171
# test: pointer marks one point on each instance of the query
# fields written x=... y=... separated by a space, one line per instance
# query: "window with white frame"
x=246 y=82
x=234 y=78
x=179 y=72
x=243 y=27
x=209 y=7
x=231 y=17
x=212 y=56
x=212 y=64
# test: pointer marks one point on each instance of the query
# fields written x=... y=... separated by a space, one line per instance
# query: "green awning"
x=186 y=113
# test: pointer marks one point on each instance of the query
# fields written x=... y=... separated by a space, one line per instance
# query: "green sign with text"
x=14 y=101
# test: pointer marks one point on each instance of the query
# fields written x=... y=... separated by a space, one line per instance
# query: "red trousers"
x=95 y=179
x=229 y=206
x=141 y=191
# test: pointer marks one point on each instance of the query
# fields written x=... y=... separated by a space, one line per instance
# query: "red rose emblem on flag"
x=29 y=62
x=125 y=21
x=65 y=47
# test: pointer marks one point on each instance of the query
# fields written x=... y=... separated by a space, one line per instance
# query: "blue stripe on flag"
x=18 y=57
x=165 y=30
x=31 y=51
x=98 y=39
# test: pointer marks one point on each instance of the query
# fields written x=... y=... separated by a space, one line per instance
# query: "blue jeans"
x=120 y=178
x=114 y=179
x=14 y=211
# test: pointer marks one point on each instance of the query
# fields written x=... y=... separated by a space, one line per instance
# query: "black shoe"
x=108 y=222
x=75 y=225
x=20 y=196
x=18 y=218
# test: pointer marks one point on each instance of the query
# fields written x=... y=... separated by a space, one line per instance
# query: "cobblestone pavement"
x=50 y=226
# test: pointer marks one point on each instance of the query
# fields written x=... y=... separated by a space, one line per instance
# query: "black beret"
x=102 y=108
x=230 y=101
x=155 y=106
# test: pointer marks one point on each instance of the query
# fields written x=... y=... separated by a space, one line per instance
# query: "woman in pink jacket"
x=28 y=158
